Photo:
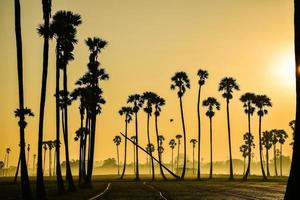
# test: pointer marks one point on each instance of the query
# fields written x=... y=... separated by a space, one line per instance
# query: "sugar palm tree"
x=158 y=103
x=8 y=150
x=178 y=137
x=117 y=140
x=50 y=145
x=227 y=85
x=182 y=82
x=248 y=104
x=281 y=136
x=193 y=142
x=292 y=125
x=137 y=102
x=211 y=103
x=161 y=151
x=245 y=152
x=127 y=112
x=45 y=33
x=172 y=145
x=150 y=149
x=149 y=98
x=45 y=147
x=274 y=141
x=261 y=102
x=248 y=140
x=202 y=76
x=133 y=138
x=267 y=143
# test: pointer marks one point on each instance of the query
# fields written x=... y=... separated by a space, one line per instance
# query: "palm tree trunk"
x=184 y=139
x=172 y=160
x=249 y=146
x=118 y=159
x=177 y=172
x=17 y=170
x=44 y=164
x=229 y=142
x=136 y=149
x=199 y=132
x=91 y=148
x=193 y=160
x=50 y=174
x=275 y=161
x=211 y=146
x=149 y=142
x=40 y=187
x=125 y=150
x=159 y=154
x=260 y=150
x=27 y=159
x=26 y=191
x=280 y=159
x=134 y=160
x=267 y=158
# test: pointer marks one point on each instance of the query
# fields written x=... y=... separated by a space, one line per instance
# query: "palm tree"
x=8 y=150
x=181 y=81
x=248 y=139
x=178 y=137
x=245 y=152
x=274 y=141
x=172 y=145
x=149 y=98
x=227 y=85
x=281 y=136
x=160 y=151
x=127 y=112
x=211 y=103
x=133 y=138
x=193 y=142
x=45 y=150
x=261 y=102
x=22 y=111
x=44 y=32
x=33 y=162
x=267 y=142
x=292 y=125
x=50 y=145
x=248 y=104
x=117 y=141
x=137 y=102
x=150 y=149
x=28 y=149
x=202 y=75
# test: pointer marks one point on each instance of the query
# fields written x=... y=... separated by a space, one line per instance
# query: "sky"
x=148 y=41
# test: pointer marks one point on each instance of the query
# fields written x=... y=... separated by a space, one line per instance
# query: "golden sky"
x=148 y=42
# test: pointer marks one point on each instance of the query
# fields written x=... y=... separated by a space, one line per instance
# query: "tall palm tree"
x=8 y=150
x=261 y=102
x=133 y=138
x=44 y=32
x=127 y=112
x=117 y=140
x=158 y=102
x=245 y=152
x=172 y=145
x=202 y=76
x=211 y=103
x=281 y=136
x=193 y=142
x=22 y=111
x=248 y=104
x=181 y=81
x=267 y=142
x=274 y=141
x=178 y=137
x=137 y=102
x=149 y=98
x=227 y=85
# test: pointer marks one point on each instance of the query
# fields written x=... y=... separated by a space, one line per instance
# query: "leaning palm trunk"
x=260 y=151
x=229 y=142
x=275 y=158
x=199 y=133
x=159 y=154
x=184 y=139
x=149 y=142
x=125 y=150
x=249 y=148
x=211 y=146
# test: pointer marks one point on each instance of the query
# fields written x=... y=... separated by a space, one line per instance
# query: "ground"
x=110 y=187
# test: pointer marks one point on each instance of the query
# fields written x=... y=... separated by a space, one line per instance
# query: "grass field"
x=112 y=188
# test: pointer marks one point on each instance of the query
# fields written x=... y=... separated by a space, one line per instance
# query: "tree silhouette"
x=202 y=76
x=274 y=141
x=281 y=137
x=45 y=147
x=211 y=103
x=133 y=138
x=150 y=149
x=137 y=102
x=33 y=162
x=248 y=104
x=127 y=112
x=181 y=81
x=172 y=145
x=245 y=152
x=226 y=86
x=193 y=142
x=28 y=150
x=261 y=102
x=117 y=141
x=267 y=142
x=8 y=150
x=178 y=137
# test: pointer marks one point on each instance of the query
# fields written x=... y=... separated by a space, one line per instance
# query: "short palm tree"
x=281 y=136
x=117 y=140
x=202 y=76
x=267 y=143
x=45 y=147
x=178 y=137
x=8 y=150
x=50 y=145
x=127 y=112
x=137 y=102
x=193 y=142
x=261 y=103
x=245 y=153
x=227 y=85
x=211 y=103
x=172 y=145
x=181 y=81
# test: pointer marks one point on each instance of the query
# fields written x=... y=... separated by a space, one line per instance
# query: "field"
x=109 y=187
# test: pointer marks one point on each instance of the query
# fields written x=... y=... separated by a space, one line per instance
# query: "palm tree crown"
x=194 y=142
x=172 y=143
x=181 y=81
x=227 y=85
x=248 y=99
x=117 y=140
x=127 y=111
x=203 y=75
x=262 y=101
x=211 y=103
x=137 y=102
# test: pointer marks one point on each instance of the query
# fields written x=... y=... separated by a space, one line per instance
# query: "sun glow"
x=285 y=70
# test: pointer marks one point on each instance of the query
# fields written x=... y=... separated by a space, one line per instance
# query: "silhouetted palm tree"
x=127 y=112
x=28 y=150
x=193 y=142
x=248 y=139
x=248 y=104
x=81 y=135
x=44 y=32
x=267 y=143
x=33 y=162
x=161 y=151
x=137 y=102
x=245 y=152
x=274 y=141
x=22 y=111
x=133 y=138
x=8 y=150
x=149 y=98
x=227 y=85
x=45 y=150
x=181 y=81
x=281 y=136
x=117 y=141
x=261 y=102
x=50 y=147
x=211 y=103
x=178 y=137
x=202 y=76
x=172 y=145
x=150 y=149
